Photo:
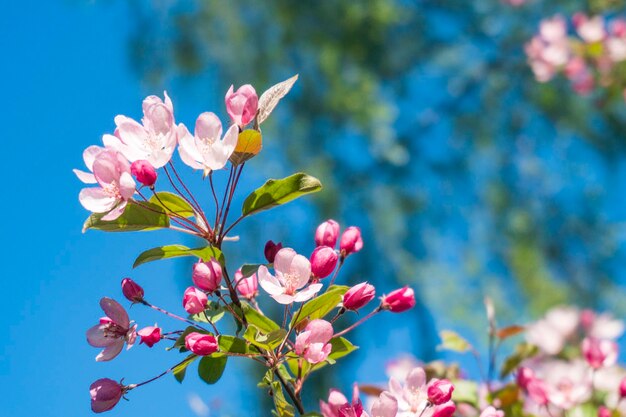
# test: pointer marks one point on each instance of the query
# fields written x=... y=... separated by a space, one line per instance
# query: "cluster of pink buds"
x=589 y=58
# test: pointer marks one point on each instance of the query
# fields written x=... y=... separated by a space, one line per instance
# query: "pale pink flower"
x=155 y=139
x=116 y=185
x=552 y=332
x=400 y=367
x=241 y=105
x=411 y=396
x=105 y=394
x=599 y=353
x=338 y=405
x=601 y=326
x=385 y=405
x=112 y=332
x=293 y=272
x=589 y=29
x=616 y=48
x=567 y=384
x=312 y=344
x=553 y=29
x=206 y=149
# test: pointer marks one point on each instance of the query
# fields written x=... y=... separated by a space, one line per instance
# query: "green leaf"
x=320 y=306
x=276 y=192
x=267 y=341
x=283 y=407
x=211 y=368
x=180 y=370
x=452 y=341
x=256 y=319
x=212 y=314
x=172 y=203
x=135 y=217
x=522 y=352
x=249 y=269
x=465 y=392
x=249 y=144
x=175 y=251
x=232 y=344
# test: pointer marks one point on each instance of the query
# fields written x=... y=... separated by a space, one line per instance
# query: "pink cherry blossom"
x=399 y=300
x=411 y=396
x=241 y=105
x=589 y=29
x=293 y=272
x=194 y=300
x=551 y=332
x=112 y=332
x=206 y=149
x=105 y=394
x=564 y=384
x=116 y=185
x=351 y=241
x=491 y=411
x=323 y=261
x=312 y=344
x=207 y=275
x=154 y=140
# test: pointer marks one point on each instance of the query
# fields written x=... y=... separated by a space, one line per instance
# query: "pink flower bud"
x=399 y=300
x=358 y=296
x=524 y=376
x=201 y=344
x=446 y=409
x=132 y=291
x=622 y=388
x=271 y=249
x=351 y=241
x=247 y=287
x=207 y=275
x=105 y=394
x=150 y=335
x=439 y=391
x=599 y=353
x=242 y=104
x=327 y=233
x=144 y=172
x=194 y=300
x=323 y=261
x=604 y=411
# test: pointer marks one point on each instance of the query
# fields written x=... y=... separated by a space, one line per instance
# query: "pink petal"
x=127 y=185
x=90 y=154
x=115 y=312
x=96 y=200
x=110 y=351
x=96 y=337
x=159 y=119
x=85 y=177
x=308 y=292
x=208 y=127
x=282 y=261
x=115 y=213
x=268 y=282
x=321 y=331
x=283 y=298
x=301 y=269
x=187 y=148
x=416 y=378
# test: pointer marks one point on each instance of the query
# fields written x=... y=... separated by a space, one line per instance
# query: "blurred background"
x=421 y=118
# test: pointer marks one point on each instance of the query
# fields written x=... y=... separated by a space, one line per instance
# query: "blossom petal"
x=282 y=261
x=85 y=177
x=90 y=154
x=300 y=268
x=115 y=312
x=115 y=213
x=283 y=298
x=308 y=292
x=187 y=148
x=208 y=127
x=96 y=200
x=97 y=338
x=127 y=185
x=268 y=282
x=110 y=351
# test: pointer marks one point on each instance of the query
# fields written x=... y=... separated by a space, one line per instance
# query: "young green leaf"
x=180 y=370
x=175 y=251
x=172 y=203
x=249 y=269
x=261 y=322
x=318 y=307
x=277 y=192
x=210 y=369
x=212 y=314
x=452 y=341
x=136 y=217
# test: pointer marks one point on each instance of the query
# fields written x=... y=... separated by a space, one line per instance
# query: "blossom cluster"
x=127 y=196
x=591 y=57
